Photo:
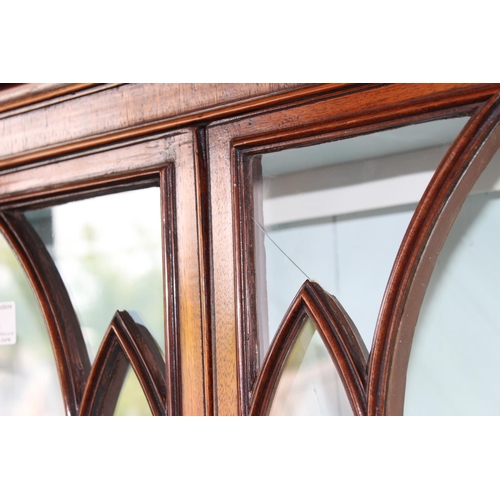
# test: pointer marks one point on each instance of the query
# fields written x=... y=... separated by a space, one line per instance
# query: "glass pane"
x=132 y=401
x=310 y=384
x=108 y=252
x=29 y=384
x=336 y=213
x=455 y=357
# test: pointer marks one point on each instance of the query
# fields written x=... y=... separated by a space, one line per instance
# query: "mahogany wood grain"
x=424 y=239
x=70 y=353
x=190 y=285
x=171 y=303
x=133 y=110
x=205 y=264
x=125 y=342
x=26 y=94
x=99 y=167
x=225 y=307
x=347 y=114
x=339 y=335
x=62 y=143
x=170 y=161
x=357 y=110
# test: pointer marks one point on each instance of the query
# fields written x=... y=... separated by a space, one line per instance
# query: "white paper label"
x=7 y=323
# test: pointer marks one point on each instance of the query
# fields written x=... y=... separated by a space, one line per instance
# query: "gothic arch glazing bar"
x=430 y=225
x=340 y=336
x=71 y=355
x=125 y=342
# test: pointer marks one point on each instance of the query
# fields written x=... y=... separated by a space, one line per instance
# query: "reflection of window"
x=336 y=213
x=454 y=367
x=108 y=252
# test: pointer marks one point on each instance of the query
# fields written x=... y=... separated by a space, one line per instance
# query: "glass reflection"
x=336 y=213
x=29 y=383
x=455 y=357
x=132 y=400
x=108 y=252
x=310 y=384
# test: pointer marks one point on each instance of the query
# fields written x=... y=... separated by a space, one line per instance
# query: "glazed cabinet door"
x=101 y=296
x=328 y=217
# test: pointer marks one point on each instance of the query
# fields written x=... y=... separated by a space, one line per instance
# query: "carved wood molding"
x=125 y=342
x=26 y=94
x=234 y=144
x=426 y=234
x=86 y=390
x=169 y=161
x=133 y=110
x=339 y=335
x=71 y=355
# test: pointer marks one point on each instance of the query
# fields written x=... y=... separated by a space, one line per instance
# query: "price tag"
x=7 y=323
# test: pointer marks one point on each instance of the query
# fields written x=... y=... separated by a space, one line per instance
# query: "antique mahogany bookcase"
x=319 y=248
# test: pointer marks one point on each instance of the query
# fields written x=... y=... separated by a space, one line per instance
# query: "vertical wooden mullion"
x=204 y=235
x=188 y=287
x=167 y=190
x=224 y=303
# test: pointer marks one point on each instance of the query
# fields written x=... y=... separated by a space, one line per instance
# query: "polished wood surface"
x=340 y=336
x=200 y=143
x=125 y=342
x=343 y=114
x=70 y=352
x=168 y=160
x=454 y=178
x=128 y=111
x=26 y=94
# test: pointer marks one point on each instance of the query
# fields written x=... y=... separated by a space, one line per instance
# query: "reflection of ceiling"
x=388 y=142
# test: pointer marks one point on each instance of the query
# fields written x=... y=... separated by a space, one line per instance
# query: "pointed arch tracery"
x=339 y=334
x=435 y=214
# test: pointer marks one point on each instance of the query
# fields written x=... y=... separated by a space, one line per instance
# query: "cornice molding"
x=41 y=121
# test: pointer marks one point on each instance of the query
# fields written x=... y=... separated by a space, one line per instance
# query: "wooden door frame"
x=231 y=144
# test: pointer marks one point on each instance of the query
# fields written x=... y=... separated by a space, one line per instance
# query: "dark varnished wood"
x=88 y=141
x=357 y=111
x=26 y=94
x=125 y=342
x=171 y=316
x=341 y=339
x=205 y=264
x=424 y=239
x=70 y=353
x=133 y=110
x=170 y=161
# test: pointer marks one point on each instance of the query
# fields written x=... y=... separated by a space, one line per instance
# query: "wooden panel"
x=357 y=109
x=224 y=302
x=190 y=282
x=26 y=94
x=100 y=167
x=128 y=111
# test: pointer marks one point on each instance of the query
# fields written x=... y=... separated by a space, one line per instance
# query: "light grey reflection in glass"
x=454 y=363
x=310 y=384
x=132 y=401
x=340 y=210
x=108 y=252
x=29 y=384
